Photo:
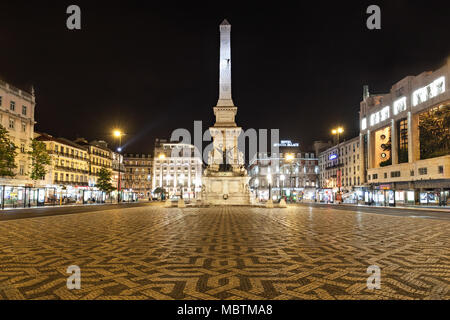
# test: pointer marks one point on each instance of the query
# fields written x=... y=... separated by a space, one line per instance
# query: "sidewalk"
x=415 y=207
x=68 y=206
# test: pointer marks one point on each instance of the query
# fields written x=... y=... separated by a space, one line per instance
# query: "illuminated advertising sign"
x=286 y=143
x=333 y=157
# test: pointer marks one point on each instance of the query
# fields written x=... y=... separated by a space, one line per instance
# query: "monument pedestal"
x=224 y=188
x=269 y=204
x=283 y=203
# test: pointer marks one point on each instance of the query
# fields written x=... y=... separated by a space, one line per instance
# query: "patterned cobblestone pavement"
x=224 y=253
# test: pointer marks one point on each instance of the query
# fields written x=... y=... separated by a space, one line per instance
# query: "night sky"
x=149 y=68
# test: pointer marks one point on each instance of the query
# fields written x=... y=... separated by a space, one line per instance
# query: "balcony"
x=65 y=154
x=72 y=183
x=70 y=169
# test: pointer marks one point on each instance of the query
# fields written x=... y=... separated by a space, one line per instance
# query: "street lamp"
x=118 y=134
x=338 y=131
x=290 y=158
x=181 y=179
x=269 y=182
x=162 y=156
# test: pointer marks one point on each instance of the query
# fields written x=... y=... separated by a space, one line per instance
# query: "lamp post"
x=269 y=203
x=118 y=134
x=290 y=158
x=181 y=203
x=181 y=179
x=256 y=185
x=282 y=177
x=338 y=131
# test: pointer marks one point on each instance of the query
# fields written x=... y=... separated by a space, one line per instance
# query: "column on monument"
x=394 y=142
x=235 y=151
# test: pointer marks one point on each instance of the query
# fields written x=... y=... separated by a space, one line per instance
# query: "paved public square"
x=152 y=252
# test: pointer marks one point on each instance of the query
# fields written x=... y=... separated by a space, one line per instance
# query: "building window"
x=423 y=171
x=22 y=147
x=12 y=106
x=441 y=169
x=411 y=173
x=385 y=175
x=375 y=176
x=24 y=110
x=395 y=174
x=11 y=123
x=402 y=141
x=0 y=100
x=24 y=127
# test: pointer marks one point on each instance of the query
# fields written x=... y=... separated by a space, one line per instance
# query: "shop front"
x=325 y=195
x=26 y=196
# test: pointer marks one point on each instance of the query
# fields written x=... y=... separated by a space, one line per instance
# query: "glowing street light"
x=337 y=131
x=289 y=157
x=162 y=156
x=118 y=134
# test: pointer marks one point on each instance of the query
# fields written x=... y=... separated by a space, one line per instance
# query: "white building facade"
x=177 y=169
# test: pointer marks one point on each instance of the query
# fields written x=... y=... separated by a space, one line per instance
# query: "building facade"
x=17 y=117
x=138 y=174
x=290 y=174
x=68 y=173
x=340 y=172
x=404 y=136
x=177 y=169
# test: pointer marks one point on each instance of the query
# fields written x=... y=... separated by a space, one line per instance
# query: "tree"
x=160 y=191
x=8 y=154
x=104 y=180
x=39 y=160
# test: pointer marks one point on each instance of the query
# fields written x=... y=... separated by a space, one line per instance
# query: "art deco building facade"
x=138 y=174
x=177 y=166
x=404 y=136
x=17 y=116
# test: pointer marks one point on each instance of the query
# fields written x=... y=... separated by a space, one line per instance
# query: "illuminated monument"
x=225 y=181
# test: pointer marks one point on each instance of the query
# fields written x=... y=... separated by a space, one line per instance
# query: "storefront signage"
x=333 y=156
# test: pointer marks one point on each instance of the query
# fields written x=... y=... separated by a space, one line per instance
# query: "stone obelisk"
x=225 y=179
